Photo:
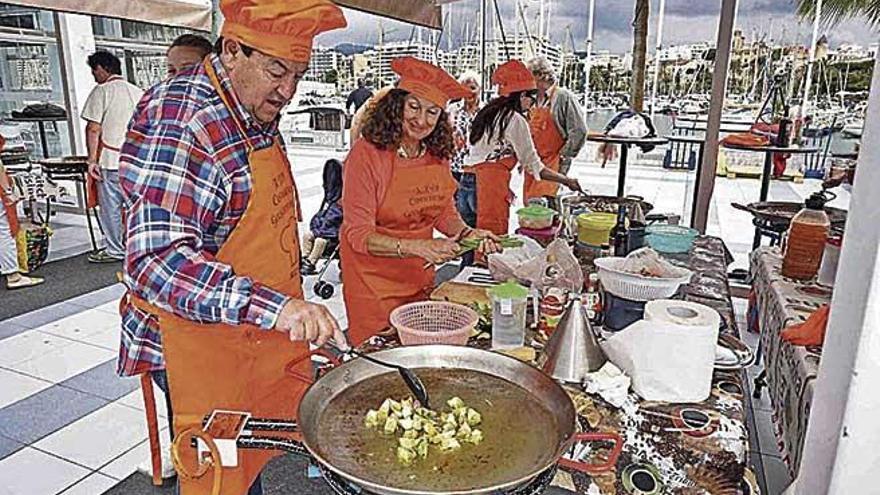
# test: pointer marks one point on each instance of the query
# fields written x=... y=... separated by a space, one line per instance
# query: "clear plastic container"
x=536 y=217
x=508 y=315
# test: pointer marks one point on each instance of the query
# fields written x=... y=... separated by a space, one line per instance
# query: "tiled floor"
x=69 y=425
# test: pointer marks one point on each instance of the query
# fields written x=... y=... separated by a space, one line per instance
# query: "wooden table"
x=767 y=173
x=624 y=152
x=654 y=444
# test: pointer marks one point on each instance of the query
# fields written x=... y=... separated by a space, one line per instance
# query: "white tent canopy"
x=193 y=14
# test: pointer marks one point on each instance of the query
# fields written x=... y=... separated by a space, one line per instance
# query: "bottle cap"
x=816 y=201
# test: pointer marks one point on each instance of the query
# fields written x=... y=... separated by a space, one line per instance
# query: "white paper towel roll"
x=682 y=313
x=670 y=355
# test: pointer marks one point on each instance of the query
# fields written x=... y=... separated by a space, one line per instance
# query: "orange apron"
x=374 y=286
x=241 y=368
x=11 y=214
x=548 y=142
x=493 y=194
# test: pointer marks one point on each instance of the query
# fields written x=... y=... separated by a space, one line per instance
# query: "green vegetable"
x=506 y=242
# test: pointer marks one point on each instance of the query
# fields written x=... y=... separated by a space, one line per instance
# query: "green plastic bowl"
x=671 y=238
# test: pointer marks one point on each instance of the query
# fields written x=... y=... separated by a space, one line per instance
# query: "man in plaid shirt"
x=188 y=174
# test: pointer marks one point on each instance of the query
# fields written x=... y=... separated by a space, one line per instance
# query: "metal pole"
x=805 y=104
x=713 y=125
x=483 y=79
x=657 y=58
x=541 y=22
x=589 y=59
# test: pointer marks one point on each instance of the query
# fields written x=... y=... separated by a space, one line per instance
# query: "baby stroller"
x=323 y=235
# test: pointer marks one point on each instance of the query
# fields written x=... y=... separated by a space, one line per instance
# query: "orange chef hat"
x=427 y=81
x=513 y=76
x=281 y=28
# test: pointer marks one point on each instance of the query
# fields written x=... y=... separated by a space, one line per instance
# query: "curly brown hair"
x=384 y=127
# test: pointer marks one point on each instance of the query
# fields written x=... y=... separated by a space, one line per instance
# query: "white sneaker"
x=146 y=466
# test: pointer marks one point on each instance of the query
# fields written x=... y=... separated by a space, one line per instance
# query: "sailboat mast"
x=805 y=104
x=657 y=58
x=541 y=21
x=483 y=80
x=588 y=60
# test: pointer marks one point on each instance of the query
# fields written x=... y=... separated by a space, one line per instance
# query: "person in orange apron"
x=500 y=138
x=558 y=129
x=398 y=189
x=212 y=248
x=107 y=112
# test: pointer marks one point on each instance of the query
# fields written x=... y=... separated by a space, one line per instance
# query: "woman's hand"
x=573 y=184
x=436 y=251
x=490 y=242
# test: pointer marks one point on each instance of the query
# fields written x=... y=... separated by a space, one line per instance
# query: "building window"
x=140 y=46
x=30 y=73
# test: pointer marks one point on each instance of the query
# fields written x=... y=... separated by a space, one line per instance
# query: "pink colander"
x=434 y=322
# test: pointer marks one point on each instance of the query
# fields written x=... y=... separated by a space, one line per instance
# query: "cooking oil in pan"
x=520 y=434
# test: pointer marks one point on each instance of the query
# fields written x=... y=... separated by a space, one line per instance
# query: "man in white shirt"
x=108 y=109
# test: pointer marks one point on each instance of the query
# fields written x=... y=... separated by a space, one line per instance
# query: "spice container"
x=806 y=240
x=508 y=315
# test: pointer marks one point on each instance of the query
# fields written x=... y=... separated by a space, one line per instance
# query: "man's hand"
x=310 y=322
x=95 y=171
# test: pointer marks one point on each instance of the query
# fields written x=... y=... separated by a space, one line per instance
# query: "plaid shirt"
x=186 y=183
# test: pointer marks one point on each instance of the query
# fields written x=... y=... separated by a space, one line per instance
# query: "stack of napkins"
x=610 y=383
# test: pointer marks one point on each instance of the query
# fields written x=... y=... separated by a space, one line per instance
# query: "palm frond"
x=835 y=11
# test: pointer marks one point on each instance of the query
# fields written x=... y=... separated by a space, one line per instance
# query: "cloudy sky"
x=686 y=21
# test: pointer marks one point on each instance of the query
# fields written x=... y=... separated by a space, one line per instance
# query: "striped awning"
x=193 y=14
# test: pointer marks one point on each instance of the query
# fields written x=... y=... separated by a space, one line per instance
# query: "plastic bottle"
x=806 y=240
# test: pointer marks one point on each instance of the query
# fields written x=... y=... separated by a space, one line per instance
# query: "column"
x=76 y=40
x=840 y=452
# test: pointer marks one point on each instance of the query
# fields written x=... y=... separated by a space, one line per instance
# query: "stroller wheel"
x=323 y=290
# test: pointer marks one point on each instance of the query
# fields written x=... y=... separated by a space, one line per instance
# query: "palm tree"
x=834 y=11
x=640 y=48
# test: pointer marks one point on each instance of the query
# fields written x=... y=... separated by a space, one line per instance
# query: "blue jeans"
x=160 y=378
x=466 y=203
x=466 y=199
x=110 y=212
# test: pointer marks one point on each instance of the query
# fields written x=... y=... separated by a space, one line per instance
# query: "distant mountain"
x=351 y=48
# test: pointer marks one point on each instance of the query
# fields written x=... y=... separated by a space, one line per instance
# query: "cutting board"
x=460 y=293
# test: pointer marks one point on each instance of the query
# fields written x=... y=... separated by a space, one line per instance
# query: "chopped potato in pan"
x=419 y=428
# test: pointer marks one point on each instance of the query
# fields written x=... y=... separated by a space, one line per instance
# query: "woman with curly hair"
x=500 y=137
x=398 y=189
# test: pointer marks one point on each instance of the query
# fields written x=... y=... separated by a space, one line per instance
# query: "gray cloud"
x=686 y=21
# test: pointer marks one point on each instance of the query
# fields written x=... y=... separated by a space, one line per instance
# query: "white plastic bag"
x=556 y=267
x=503 y=265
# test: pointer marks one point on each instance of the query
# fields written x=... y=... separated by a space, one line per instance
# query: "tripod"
x=776 y=100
